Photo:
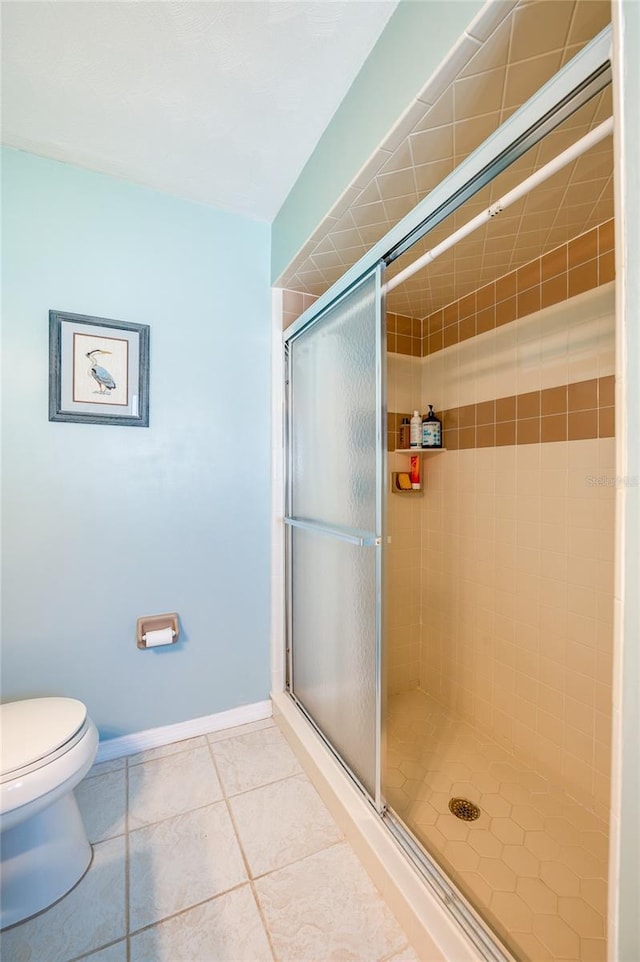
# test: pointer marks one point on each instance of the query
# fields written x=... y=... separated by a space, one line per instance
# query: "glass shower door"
x=334 y=524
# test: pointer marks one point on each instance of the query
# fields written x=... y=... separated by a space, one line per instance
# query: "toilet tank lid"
x=32 y=729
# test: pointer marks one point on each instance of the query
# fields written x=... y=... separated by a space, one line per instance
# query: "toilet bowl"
x=47 y=746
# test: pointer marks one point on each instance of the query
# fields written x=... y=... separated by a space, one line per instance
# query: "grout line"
x=247 y=881
x=343 y=840
x=91 y=774
x=89 y=955
x=131 y=759
x=185 y=811
x=225 y=734
x=256 y=877
x=265 y=784
x=127 y=880
x=187 y=908
x=263 y=919
x=191 y=748
x=208 y=804
x=247 y=866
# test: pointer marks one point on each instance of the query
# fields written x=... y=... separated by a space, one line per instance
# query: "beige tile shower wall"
x=517 y=555
x=568 y=342
x=404 y=386
x=404 y=382
x=403 y=588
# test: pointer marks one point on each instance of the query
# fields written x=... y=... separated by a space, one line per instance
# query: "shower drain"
x=463 y=808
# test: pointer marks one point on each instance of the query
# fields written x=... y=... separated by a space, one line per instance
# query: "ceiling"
x=439 y=130
x=218 y=102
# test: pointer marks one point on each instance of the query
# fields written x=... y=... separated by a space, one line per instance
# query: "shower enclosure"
x=453 y=647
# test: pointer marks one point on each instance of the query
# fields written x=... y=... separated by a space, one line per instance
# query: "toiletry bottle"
x=415 y=426
x=404 y=441
x=415 y=472
x=431 y=430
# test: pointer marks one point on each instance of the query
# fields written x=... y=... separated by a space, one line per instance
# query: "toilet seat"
x=35 y=731
x=72 y=750
x=18 y=773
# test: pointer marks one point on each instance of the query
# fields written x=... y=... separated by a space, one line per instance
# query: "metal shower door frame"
x=376 y=538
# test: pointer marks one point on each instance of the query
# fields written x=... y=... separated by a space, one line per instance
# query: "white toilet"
x=47 y=746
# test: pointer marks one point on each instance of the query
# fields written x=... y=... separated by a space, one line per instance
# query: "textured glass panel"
x=333 y=620
x=333 y=397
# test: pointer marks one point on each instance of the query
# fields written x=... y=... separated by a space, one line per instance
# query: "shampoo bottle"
x=431 y=430
x=416 y=430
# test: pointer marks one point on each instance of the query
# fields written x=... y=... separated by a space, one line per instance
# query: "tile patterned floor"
x=534 y=864
x=214 y=849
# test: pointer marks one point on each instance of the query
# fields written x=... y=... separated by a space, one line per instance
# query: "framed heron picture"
x=98 y=370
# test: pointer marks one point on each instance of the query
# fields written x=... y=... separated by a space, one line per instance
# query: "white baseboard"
x=155 y=737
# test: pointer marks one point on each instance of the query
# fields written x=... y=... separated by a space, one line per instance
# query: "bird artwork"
x=101 y=376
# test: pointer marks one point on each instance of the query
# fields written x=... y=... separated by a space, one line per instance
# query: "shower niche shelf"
x=395 y=485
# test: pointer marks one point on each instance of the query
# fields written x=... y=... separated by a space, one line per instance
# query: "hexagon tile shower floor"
x=534 y=861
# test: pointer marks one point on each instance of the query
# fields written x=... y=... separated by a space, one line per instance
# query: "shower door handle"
x=363 y=539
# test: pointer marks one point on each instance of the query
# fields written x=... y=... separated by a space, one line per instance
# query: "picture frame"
x=98 y=370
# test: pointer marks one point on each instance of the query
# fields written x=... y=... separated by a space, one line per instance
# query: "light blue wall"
x=103 y=524
x=416 y=39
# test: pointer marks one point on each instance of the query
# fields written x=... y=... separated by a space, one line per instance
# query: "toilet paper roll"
x=161 y=636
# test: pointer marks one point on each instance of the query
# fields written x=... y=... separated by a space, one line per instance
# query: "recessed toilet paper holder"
x=156 y=623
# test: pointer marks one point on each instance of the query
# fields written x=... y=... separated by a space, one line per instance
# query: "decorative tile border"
x=581 y=264
x=571 y=412
x=404 y=335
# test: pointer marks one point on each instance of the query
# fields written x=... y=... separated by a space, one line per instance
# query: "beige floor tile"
x=325 y=907
x=102 y=802
x=226 y=929
x=176 y=863
x=187 y=879
x=89 y=916
x=249 y=761
x=115 y=765
x=171 y=785
x=255 y=726
x=113 y=953
x=280 y=823
x=404 y=955
x=163 y=751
